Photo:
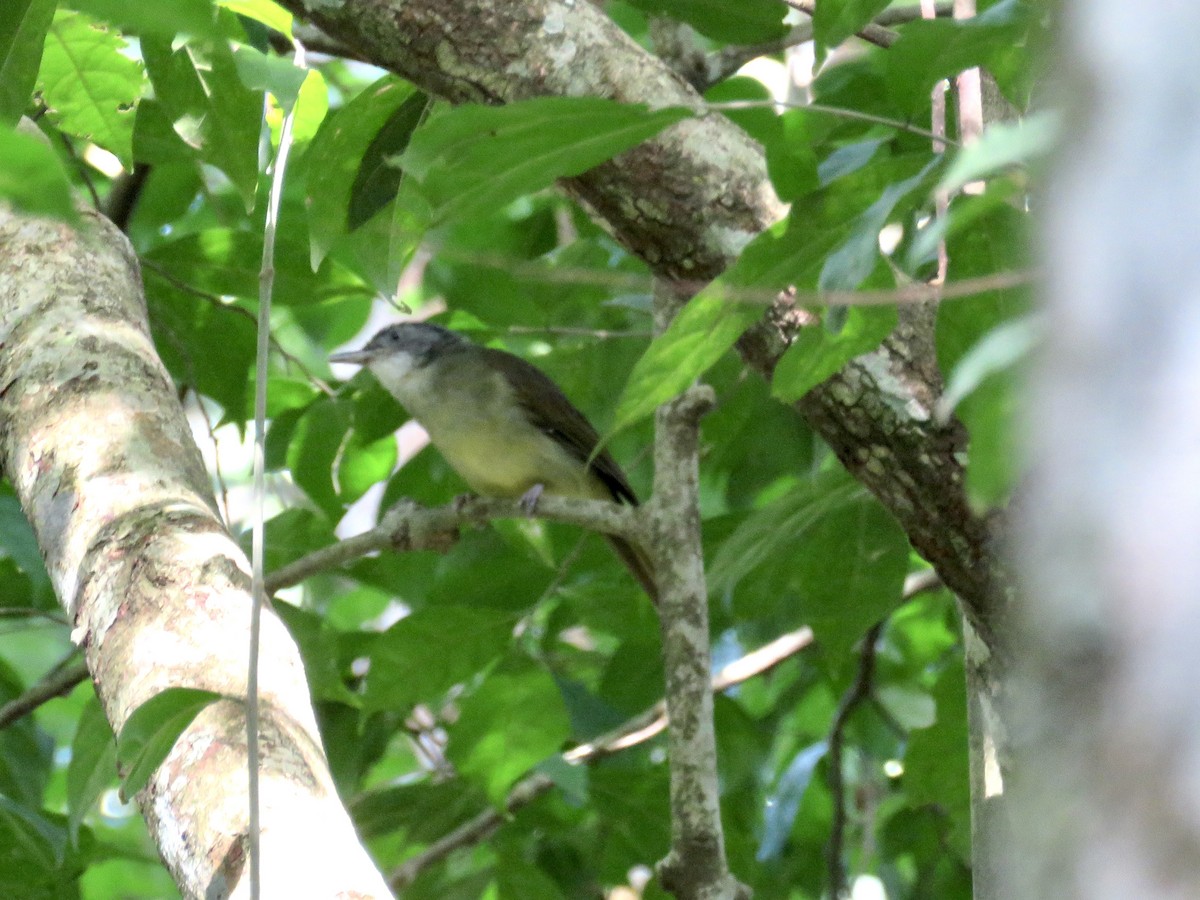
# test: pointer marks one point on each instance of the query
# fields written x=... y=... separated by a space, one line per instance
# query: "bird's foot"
x=461 y=502
x=529 y=499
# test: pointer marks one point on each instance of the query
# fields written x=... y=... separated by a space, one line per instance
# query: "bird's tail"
x=637 y=562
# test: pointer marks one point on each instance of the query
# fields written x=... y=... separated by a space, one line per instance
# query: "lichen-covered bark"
x=98 y=449
x=687 y=202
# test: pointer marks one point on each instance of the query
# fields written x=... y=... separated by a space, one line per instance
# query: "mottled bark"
x=98 y=449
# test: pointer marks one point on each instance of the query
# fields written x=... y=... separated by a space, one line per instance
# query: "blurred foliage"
x=441 y=680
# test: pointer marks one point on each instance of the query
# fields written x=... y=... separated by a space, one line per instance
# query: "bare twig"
x=59 y=681
x=290 y=359
x=637 y=730
x=725 y=62
x=858 y=692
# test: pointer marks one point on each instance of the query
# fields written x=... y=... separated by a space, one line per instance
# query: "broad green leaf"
x=316 y=443
x=931 y=50
x=833 y=22
x=473 y=160
x=428 y=652
x=818 y=351
x=769 y=531
x=23 y=30
x=151 y=731
x=783 y=802
x=90 y=84
x=935 y=766
x=38 y=862
x=789 y=253
x=377 y=180
x=1002 y=146
x=25 y=750
x=1000 y=349
x=20 y=545
x=268 y=12
x=698 y=336
x=312 y=106
x=232 y=122
x=319 y=648
x=363 y=465
x=743 y=22
x=513 y=721
x=263 y=72
x=32 y=179
x=850 y=572
x=93 y=765
x=422 y=811
x=849 y=265
x=228 y=263
x=208 y=106
x=177 y=18
x=333 y=159
x=204 y=344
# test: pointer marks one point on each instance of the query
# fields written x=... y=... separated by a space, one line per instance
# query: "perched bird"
x=504 y=426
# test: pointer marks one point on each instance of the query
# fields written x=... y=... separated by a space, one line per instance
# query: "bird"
x=501 y=423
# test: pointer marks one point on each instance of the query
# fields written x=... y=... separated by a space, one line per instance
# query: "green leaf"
x=22 y=34
x=850 y=572
x=277 y=74
x=268 y=12
x=743 y=22
x=208 y=106
x=333 y=159
x=25 y=750
x=472 y=160
x=999 y=350
x=377 y=180
x=363 y=465
x=930 y=50
x=935 y=761
x=1002 y=146
x=833 y=22
x=38 y=862
x=93 y=765
x=89 y=83
x=512 y=722
x=849 y=265
x=225 y=262
x=818 y=351
x=177 y=18
x=32 y=178
x=698 y=336
x=428 y=652
x=316 y=443
x=152 y=730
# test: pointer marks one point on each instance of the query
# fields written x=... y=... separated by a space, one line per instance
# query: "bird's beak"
x=357 y=357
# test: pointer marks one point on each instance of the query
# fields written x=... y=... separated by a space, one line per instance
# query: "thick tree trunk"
x=1109 y=528
x=98 y=449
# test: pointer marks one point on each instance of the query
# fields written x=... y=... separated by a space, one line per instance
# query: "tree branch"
x=635 y=731
x=858 y=692
x=410 y=526
x=58 y=682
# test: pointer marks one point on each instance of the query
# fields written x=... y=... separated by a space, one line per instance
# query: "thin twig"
x=288 y=358
x=258 y=591
x=872 y=33
x=637 y=730
x=905 y=294
x=59 y=681
x=837 y=111
x=857 y=693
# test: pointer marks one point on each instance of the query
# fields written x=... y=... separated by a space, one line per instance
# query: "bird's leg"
x=529 y=499
x=461 y=502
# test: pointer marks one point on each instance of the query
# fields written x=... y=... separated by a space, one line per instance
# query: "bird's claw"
x=529 y=500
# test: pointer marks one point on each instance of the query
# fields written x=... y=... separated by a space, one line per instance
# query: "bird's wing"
x=561 y=420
